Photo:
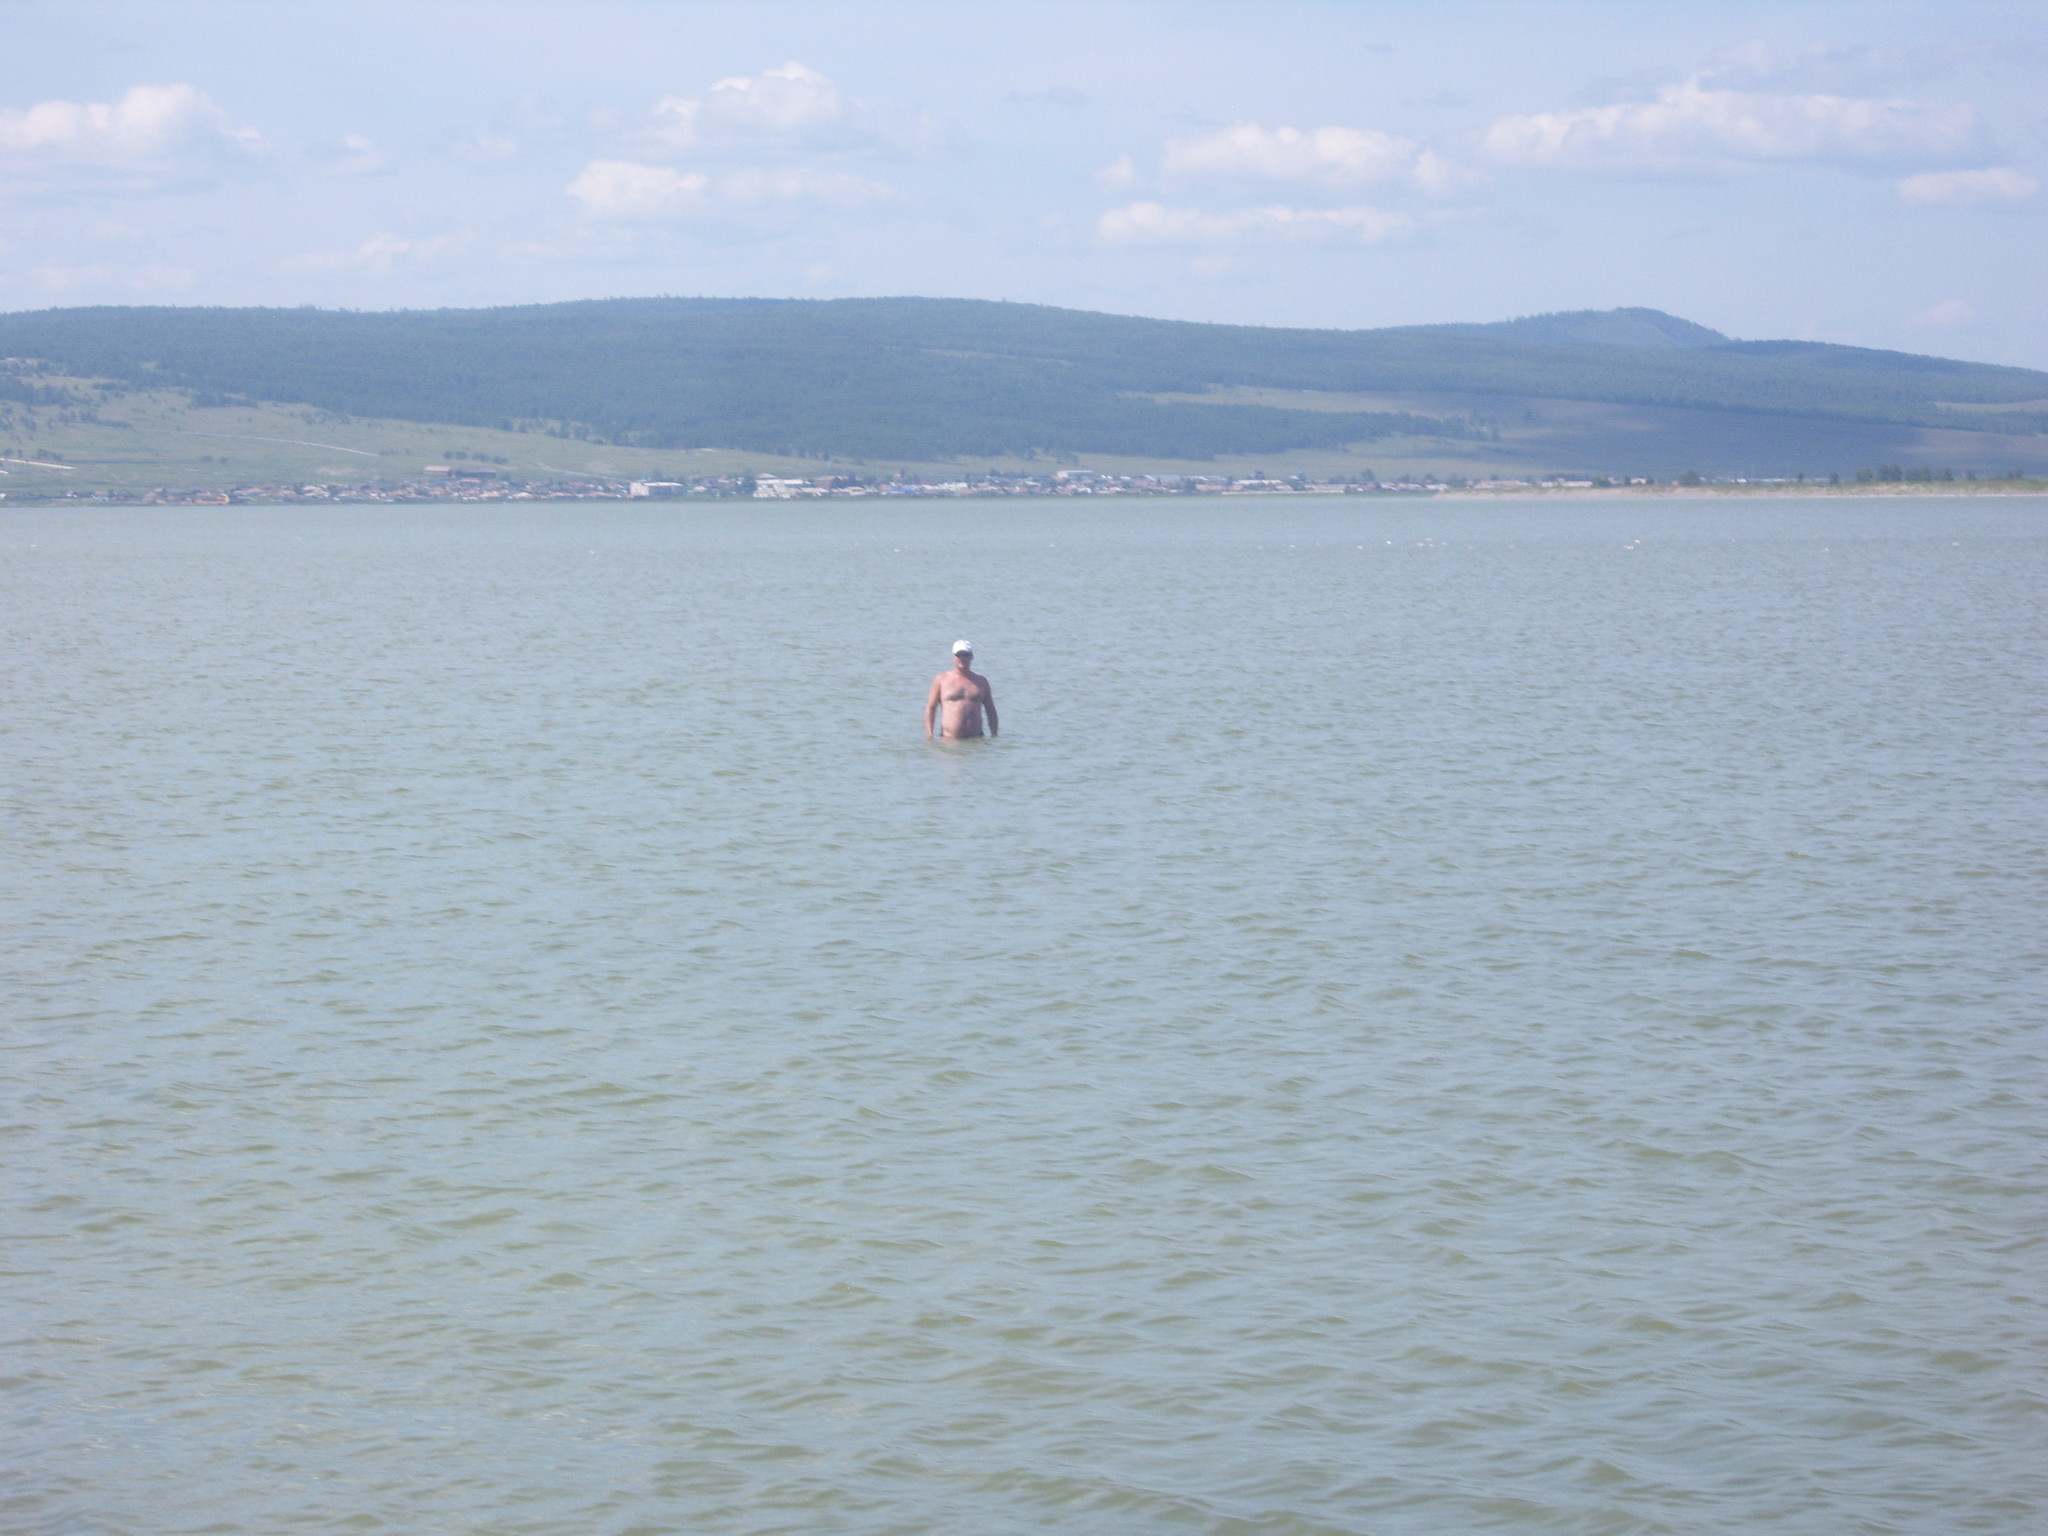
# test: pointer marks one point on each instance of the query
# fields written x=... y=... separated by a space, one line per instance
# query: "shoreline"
x=414 y=495
x=1868 y=490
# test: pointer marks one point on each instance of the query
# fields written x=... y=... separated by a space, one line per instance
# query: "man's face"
x=963 y=659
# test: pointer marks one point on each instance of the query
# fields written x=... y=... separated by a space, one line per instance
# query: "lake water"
x=1432 y=1018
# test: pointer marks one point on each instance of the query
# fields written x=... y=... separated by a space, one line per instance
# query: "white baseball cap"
x=963 y=647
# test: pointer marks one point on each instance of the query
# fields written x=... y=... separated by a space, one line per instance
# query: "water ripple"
x=1434 y=1018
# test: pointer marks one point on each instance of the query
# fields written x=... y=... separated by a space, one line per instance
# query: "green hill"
x=937 y=379
x=1595 y=328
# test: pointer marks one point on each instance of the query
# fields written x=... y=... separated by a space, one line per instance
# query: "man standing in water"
x=964 y=696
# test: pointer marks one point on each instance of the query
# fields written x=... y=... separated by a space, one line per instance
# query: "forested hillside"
x=935 y=378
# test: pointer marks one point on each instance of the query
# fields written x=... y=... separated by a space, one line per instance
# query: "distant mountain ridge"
x=1595 y=328
x=942 y=378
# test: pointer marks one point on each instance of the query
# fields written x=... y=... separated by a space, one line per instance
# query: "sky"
x=1867 y=173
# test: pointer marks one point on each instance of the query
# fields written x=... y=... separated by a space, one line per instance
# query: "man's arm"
x=988 y=702
x=931 y=706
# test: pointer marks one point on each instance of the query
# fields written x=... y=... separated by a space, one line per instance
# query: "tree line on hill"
x=944 y=378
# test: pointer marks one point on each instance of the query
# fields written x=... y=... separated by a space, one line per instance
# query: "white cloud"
x=628 y=189
x=379 y=255
x=787 y=110
x=793 y=106
x=772 y=115
x=1993 y=184
x=154 y=136
x=1691 y=125
x=1440 y=177
x=1948 y=312
x=1249 y=152
x=1156 y=224
x=356 y=155
x=1329 y=156
x=1119 y=175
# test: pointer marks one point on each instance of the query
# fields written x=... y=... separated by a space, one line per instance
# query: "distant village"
x=476 y=483
x=463 y=483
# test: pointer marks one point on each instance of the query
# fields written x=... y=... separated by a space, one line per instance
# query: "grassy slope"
x=1546 y=435
x=160 y=439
